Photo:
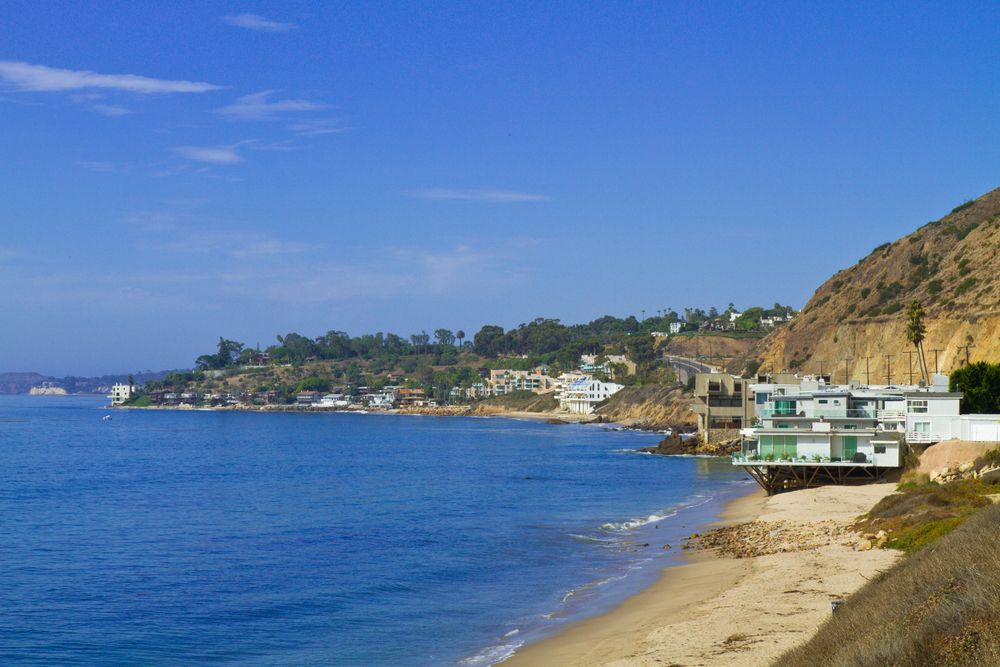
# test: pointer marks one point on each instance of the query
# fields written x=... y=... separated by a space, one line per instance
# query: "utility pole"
x=867 y=371
x=967 y=348
x=936 y=371
x=847 y=370
x=820 y=362
x=910 y=371
x=888 y=369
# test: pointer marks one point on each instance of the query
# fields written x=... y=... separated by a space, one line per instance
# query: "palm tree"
x=460 y=335
x=915 y=333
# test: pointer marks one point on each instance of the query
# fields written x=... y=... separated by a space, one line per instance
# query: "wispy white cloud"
x=257 y=22
x=109 y=110
x=210 y=154
x=259 y=106
x=311 y=128
x=39 y=78
x=486 y=195
x=235 y=245
x=395 y=273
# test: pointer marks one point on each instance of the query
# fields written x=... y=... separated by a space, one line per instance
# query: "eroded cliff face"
x=952 y=267
x=654 y=406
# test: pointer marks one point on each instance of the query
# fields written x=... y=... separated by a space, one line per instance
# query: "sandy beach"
x=719 y=610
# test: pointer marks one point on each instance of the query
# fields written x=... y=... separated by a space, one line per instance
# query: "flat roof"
x=933 y=394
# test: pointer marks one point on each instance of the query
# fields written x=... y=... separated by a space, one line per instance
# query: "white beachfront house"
x=121 y=393
x=935 y=416
x=580 y=394
x=807 y=432
x=832 y=425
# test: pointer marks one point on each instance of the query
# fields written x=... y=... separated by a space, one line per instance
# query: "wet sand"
x=729 y=611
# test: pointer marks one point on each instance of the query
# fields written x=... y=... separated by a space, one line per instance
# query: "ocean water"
x=307 y=539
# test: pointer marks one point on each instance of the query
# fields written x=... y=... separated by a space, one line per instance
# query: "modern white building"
x=580 y=394
x=121 y=393
x=810 y=432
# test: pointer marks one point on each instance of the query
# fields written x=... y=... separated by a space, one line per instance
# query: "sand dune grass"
x=940 y=606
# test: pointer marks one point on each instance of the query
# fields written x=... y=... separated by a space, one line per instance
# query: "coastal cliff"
x=649 y=406
x=951 y=266
x=47 y=391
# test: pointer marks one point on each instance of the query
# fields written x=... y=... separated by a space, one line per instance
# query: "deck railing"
x=842 y=413
x=924 y=438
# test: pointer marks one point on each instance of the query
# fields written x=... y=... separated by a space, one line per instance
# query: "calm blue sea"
x=307 y=539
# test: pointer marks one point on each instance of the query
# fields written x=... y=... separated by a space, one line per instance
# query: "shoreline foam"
x=727 y=611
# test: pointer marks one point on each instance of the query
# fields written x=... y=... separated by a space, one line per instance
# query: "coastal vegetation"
x=980 y=387
x=940 y=606
x=439 y=363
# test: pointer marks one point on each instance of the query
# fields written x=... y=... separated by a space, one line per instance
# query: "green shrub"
x=865 y=291
x=892 y=308
x=934 y=286
x=965 y=286
x=963 y=206
x=880 y=248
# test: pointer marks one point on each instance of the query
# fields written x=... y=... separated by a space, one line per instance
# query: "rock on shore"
x=674 y=445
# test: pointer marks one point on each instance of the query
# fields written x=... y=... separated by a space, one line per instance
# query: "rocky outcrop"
x=674 y=445
x=988 y=473
x=762 y=538
x=47 y=391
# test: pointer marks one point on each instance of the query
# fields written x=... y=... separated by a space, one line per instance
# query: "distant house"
x=581 y=394
x=307 y=398
x=733 y=316
x=675 y=327
x=588 y=364
x=412 y=397
x=506 y=381
x=260 y=359
x=121 y=393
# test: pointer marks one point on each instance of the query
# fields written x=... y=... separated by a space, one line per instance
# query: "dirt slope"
x=654 y=406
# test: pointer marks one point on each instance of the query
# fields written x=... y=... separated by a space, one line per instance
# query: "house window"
x=880 y=449
x=921 y=427
x=917 y=407
x=822 y=401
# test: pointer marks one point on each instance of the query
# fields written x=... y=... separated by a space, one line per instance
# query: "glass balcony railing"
x=830 y=413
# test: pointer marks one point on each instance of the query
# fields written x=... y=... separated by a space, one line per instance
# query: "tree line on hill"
x=545 y=339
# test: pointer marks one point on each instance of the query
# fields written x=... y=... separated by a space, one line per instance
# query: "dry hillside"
x=710 y=346
x=652 y=406
x=951 y=266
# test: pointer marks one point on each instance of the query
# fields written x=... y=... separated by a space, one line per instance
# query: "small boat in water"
x=106 y=418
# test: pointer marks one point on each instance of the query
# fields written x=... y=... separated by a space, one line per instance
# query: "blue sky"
x=173 y=172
